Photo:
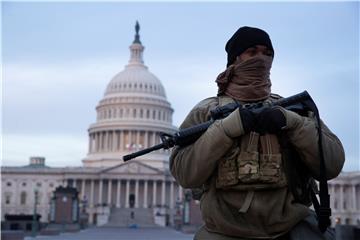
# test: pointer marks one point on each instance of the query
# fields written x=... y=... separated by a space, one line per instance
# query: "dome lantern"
x=136 y=49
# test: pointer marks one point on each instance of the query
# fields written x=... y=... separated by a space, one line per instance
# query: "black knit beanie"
x=244 y=38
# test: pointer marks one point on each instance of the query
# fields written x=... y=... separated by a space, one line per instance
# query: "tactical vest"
x=254 y=162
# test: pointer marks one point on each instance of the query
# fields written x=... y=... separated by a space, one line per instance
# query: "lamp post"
x=34 y=221
x=64 y=200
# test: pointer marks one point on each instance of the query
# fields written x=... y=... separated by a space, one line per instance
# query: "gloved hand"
x=248 y=119
x=239 y=122
x=270 y=120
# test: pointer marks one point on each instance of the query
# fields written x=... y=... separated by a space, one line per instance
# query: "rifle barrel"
x=142 y=152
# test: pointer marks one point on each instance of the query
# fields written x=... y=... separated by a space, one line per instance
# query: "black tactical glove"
x=270 y=120
x=248 y=119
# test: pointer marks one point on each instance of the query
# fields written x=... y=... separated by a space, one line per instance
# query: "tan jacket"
x=265 y=213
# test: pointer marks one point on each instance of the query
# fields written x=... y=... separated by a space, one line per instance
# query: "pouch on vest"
x=227 y=169
x=248 y=159
x=270 y=159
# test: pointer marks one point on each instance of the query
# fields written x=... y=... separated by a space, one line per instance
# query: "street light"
x=64 y=200
x=34 y=222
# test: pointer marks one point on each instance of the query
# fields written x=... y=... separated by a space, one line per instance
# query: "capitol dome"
x=135 y=79
x=131 y=116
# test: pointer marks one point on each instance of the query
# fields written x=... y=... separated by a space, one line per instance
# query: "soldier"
x=255 y=170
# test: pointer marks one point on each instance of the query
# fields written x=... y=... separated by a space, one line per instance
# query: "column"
x=96 y=135
x=163 y=192
x=100 y=141
x=145 y=193
x=127 y=193
x=115 y=142
x=100 y=191
x=89 y=142
x=136 y=193
x=130 y=138
x=74 y=183
x=341 y=197
x=118 y=193
x=353 y=187
x=137 y=139
x=121 y=140
x=332 y=194
x=91 y=200
x=154 y=138
x=180 y=193
x=82 y=189
x=106 y=143
x=154 y=193
x=109 y=192
x=171 y=195
x=146 y=136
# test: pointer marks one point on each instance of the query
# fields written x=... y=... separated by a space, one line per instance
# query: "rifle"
x=300 y=103
x=189 y=135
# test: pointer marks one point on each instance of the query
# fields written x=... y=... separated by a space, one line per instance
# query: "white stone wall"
x=16 y=185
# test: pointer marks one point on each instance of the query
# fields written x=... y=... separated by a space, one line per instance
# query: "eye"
x=251 y=51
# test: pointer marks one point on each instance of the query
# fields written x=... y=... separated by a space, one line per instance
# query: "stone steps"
x=141 y=217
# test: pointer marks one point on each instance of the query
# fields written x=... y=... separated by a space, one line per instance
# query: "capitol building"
x=131 y=116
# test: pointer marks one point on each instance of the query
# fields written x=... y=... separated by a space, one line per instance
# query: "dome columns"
x=122 y=140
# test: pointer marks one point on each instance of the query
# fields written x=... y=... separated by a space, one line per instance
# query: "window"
x=7 y=199
x=23 y=198
x=38 y=184
x=24 y=184
x=8 y=184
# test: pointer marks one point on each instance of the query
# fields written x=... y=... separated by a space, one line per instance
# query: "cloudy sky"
x=57 y=59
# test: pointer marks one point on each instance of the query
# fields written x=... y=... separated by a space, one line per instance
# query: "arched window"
x=154 y=114
x=134 y=113
x=141 y=113
x=23 y=198
x=148 y=113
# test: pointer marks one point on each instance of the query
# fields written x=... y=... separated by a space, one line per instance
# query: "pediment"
x=132 y=167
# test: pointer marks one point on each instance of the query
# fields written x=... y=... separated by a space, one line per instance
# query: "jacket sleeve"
x=303 y=133
x=192 y=165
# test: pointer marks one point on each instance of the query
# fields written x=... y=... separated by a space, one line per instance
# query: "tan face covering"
x=248 y=80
